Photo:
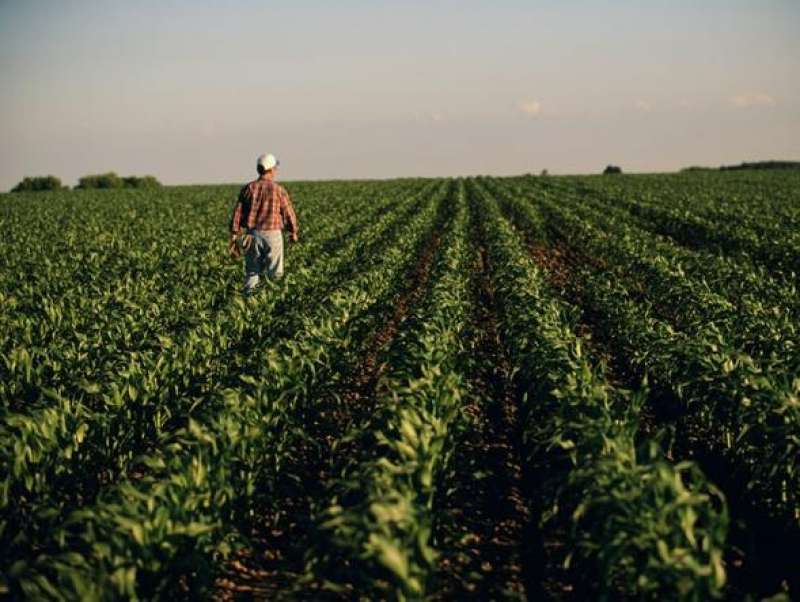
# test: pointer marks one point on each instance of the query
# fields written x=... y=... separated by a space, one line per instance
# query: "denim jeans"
x=263 y=258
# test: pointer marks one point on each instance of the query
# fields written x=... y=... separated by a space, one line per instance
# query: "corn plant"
x=573 y=415
x=376 y=529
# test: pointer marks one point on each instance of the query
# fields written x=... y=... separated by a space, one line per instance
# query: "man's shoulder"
x=263 y=182
x=254 y=186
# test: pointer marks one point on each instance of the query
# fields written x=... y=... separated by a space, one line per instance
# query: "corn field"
x=560 y=388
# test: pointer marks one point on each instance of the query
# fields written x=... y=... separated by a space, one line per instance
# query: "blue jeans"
x=263 y=258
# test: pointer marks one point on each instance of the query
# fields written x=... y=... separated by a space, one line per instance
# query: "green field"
x=482 y=388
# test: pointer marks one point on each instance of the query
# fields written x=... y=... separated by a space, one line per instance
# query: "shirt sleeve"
x=287 y=211
x=236 y=218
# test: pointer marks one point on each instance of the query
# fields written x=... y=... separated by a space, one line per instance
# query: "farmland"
x=498 y=388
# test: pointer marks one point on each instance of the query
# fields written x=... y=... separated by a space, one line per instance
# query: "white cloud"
x=643 y=105
x=757 y=99
x=530 y=107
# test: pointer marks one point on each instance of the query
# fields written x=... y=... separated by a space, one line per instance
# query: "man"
x=262 y=211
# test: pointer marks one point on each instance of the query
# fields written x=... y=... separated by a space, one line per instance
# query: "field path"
x=274 y=568
x=486 y=519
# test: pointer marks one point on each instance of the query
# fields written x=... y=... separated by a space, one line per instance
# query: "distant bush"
x=112 y=180
x=102 y=180
x=141 y=182
x=37 y=184
x=612 y=169
x=697 y=168
x=544 y=173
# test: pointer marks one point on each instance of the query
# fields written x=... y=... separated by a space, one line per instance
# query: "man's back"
x=264 y=205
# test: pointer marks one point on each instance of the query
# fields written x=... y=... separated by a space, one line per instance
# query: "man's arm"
x=236 y=217
x=287 y=212
x=236 y=224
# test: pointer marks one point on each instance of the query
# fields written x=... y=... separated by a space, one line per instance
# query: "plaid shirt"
x=263 y=205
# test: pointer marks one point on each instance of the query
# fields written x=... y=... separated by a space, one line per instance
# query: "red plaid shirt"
x=263 y=205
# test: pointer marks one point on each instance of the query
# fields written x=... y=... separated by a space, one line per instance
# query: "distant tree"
x=612 y=169
x=141 y=182
x=544 y=173
x=38 y=184
x=103 y=180
x=112 y=180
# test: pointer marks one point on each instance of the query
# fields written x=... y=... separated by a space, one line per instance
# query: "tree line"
x=88 y=182
x=748 y=165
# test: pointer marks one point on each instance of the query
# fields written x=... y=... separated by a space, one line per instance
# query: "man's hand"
x=233 y=248
x=293 y=237
x=236 y=245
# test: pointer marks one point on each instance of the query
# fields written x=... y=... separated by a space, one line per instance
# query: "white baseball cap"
x=267 y=161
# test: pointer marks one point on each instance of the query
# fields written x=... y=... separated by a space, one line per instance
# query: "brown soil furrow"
x=273 y=566
x=486 y=533
x=756 y=559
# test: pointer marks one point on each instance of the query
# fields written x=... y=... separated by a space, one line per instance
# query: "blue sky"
x=193 y=91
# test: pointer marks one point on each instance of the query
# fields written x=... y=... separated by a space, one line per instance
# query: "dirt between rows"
x=560 y=263
x=485 y=520
x=272 y=567
x=759 y=554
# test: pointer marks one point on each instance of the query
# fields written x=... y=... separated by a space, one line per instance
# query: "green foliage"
x=382 y=515
x=119 y=542
x=102 y=180
x=112 y=180
x=140 y=182
x=716 y=336
x=696 y=168
x=616 y=490
x=148 y=414
x=747 y=166
x=38 y=184
x=762 y=165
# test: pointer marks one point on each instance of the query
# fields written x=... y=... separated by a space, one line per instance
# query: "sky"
x=193 y=91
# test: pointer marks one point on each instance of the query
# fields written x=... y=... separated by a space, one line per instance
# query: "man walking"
x=263 y=210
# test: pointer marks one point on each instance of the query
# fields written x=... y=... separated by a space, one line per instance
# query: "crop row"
x=656 y=274
x=775 y=248
x=760 y=202
x=636 y=523
x=96 y=431
x=377 y=526
x=91 y=332
x=91 y=441
x=740 y=280
x=746 y=416
x=87 y=430
x=173 y=519
x=179 y=368
x=151 y=419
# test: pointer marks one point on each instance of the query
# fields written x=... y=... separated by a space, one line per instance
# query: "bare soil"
x=272 y=566
x=485 y=520
x=760 y=554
